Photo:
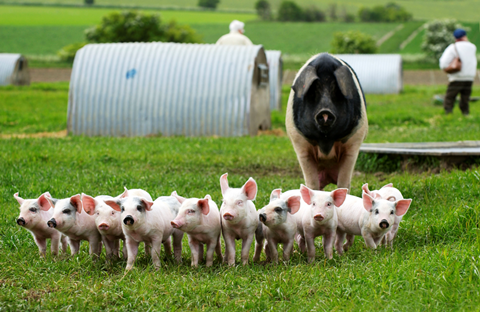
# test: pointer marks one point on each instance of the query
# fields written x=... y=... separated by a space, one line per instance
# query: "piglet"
x=371 y=218
x=70 y=219
x=149 y=222
x=34 y=214
x=318 y=218
x=390 y=193
x=239 y=218
x=200 y=219
x=280 y=225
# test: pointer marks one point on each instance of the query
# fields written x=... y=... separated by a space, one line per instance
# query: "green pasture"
x=434 y=263
x=422 y=10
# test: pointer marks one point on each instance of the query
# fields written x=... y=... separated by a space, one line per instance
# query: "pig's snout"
x=21 y=221
x=325 y=118
x=103 y=226
x=262 y=217
x=227 y=216
x=384 y=224
x=318 y=217
x=128 y=220
x=175 y=224
x=52 y=223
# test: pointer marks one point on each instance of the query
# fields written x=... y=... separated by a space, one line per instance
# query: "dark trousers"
x=454 y=88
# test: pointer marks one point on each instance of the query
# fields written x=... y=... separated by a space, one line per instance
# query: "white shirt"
x=234 y=38
x=467 y=51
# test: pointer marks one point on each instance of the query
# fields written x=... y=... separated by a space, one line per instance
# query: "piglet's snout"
x=103 y=226
x=128 y=220
x=318 y=217
x=262 y=217
x=21 y=221
x=174 y=224
x=227 y=216
x=384 y=224
x=52 y=223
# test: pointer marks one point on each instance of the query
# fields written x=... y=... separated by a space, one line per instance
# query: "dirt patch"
x=276 y=132
x=50 y=74
x=59 y=134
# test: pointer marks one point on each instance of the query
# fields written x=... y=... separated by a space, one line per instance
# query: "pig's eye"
x=98 y=213
x=113 y=212
x=66 y=211
x=190 y=211
x=33 y=209
x=278 y=210
x=239 y=203
x=329 y=204
x=139 y=208
x=122 y=209
x=391 y=212
x=314 y=204
x=376 y=211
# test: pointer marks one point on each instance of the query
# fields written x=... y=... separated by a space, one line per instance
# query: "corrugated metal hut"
x=13 y=70
x=275 y=68
x=378 y=73
x=139 y=89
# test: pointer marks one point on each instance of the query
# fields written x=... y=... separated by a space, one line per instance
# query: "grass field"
x=433 y=265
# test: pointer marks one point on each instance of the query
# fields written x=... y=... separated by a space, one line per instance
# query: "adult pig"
x=326 y=121
x=371 y=218
x=200 y=219
x=70 y=219
x=34 y=214
x=239 y=219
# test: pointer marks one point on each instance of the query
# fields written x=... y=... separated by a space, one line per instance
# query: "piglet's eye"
x=190 y=211
x=240 y=202
x=278 y=210
x=314 y=204
x=391 y=212
x=33 y=209
x=66 y=211
x=376 y=211
x=329 y=204
x=122 y=208
x=139 y=208
x=113 y=212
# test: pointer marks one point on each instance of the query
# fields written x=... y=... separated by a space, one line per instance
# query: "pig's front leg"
x=310 y=243
x=200 y=252
x=229 y=248
x=301 y=242
x=210 y=250
x=167 y=245
x=177 y=245
x=95 y=246
x=309 y=168
x=346 y=165
x=109 y=246
x=349 y=243
x=369 y=241
x=64 y=242
x=125 y=252
x=259 y=238
x=74 y=246
x=287 y=250
x=156 y=249
x=132 y=250
x=246 y=244
x=272 y=247
x=55 y=242
x=116 y=248
x=340 y=238
x=194 y=248
x=218 y=248
x=42 y=245
x=328 y=240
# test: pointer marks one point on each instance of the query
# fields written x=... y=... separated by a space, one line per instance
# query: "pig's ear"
x=76 y=202
x=275 y=194
x=306 y=194
x=208 y=197
x=43 y=201
x=365 y=189
x=148 y=204
x=124 y=194
x=203 y=205
x=51 y=201
x=388 y=185
x=250 y=189
x=293 y=204
x=88 y=203
x=345 y=82
x=224 y=183
x=367 y=201
x=178 y=197
x=304 y=81
x=402 y=206
x=19 y=199
x=339 y=196
x=115 y=204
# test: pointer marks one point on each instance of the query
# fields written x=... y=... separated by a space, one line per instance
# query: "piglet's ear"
x=367 y=201
x=208 y=197
x=306 y=194
x=224 y=183
x=178 y=197
x=19 y=199
x=402 y=206
x=345 y=82
x=51 y=201
x=148 y=204
x=366 y=190
x=43 y=201
x=88 y=203
x=339 y=196
x=115 y=204
x=124 y=194
x=203 y=205
x=76 y=202
x=250 y=189
x=388 y=185
x=304 y=81
x=275 y=194
x=293 y=204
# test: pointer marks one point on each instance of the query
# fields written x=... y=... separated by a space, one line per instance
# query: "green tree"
x=314 y=14
x=353 y=42
x=438 y=35
x=264 y=10
x=290 y=11
x=390 y=12
x=208 y=4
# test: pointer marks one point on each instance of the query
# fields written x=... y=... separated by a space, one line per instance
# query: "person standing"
x=460 y=81
x=236 y=35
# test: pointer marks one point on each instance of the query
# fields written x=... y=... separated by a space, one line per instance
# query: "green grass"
x=433 y=265
x=392 y=44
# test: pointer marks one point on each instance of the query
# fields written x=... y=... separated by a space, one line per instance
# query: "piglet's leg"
x=156 y=249
x=55 y=242
x=167 y=245
x=132 y=250
x=346 y=165
x=194 y=248
x=272 y=248
x=229 y=248
x=177 y=245
x=42 y=245
x=109 y=247
x=369 y=241
x=340 y=237
x=116 y=248
x=310 y=242
x=210 y=250
x=74 y=246
x=259 y=238
x=95 y=246
x=125 y=252
x=64 y=243
x=200 y=251
x=328 y=240
x=218 y=248
x=246 y=244
x=287 y=250
x=349 y=243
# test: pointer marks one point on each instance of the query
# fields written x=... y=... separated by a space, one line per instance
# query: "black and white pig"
x=326 y=121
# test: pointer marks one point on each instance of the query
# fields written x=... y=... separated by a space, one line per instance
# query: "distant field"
x=466 y=10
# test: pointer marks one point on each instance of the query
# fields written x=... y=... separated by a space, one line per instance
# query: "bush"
x=208 y=4
x=391 y=12
x=353 y=42
x=290 y=11
x=180 y=34
x=332 y=12
x=264 y=10
x=313 y=14
x=88 y=2
x=67 y=53
x=438 y=35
